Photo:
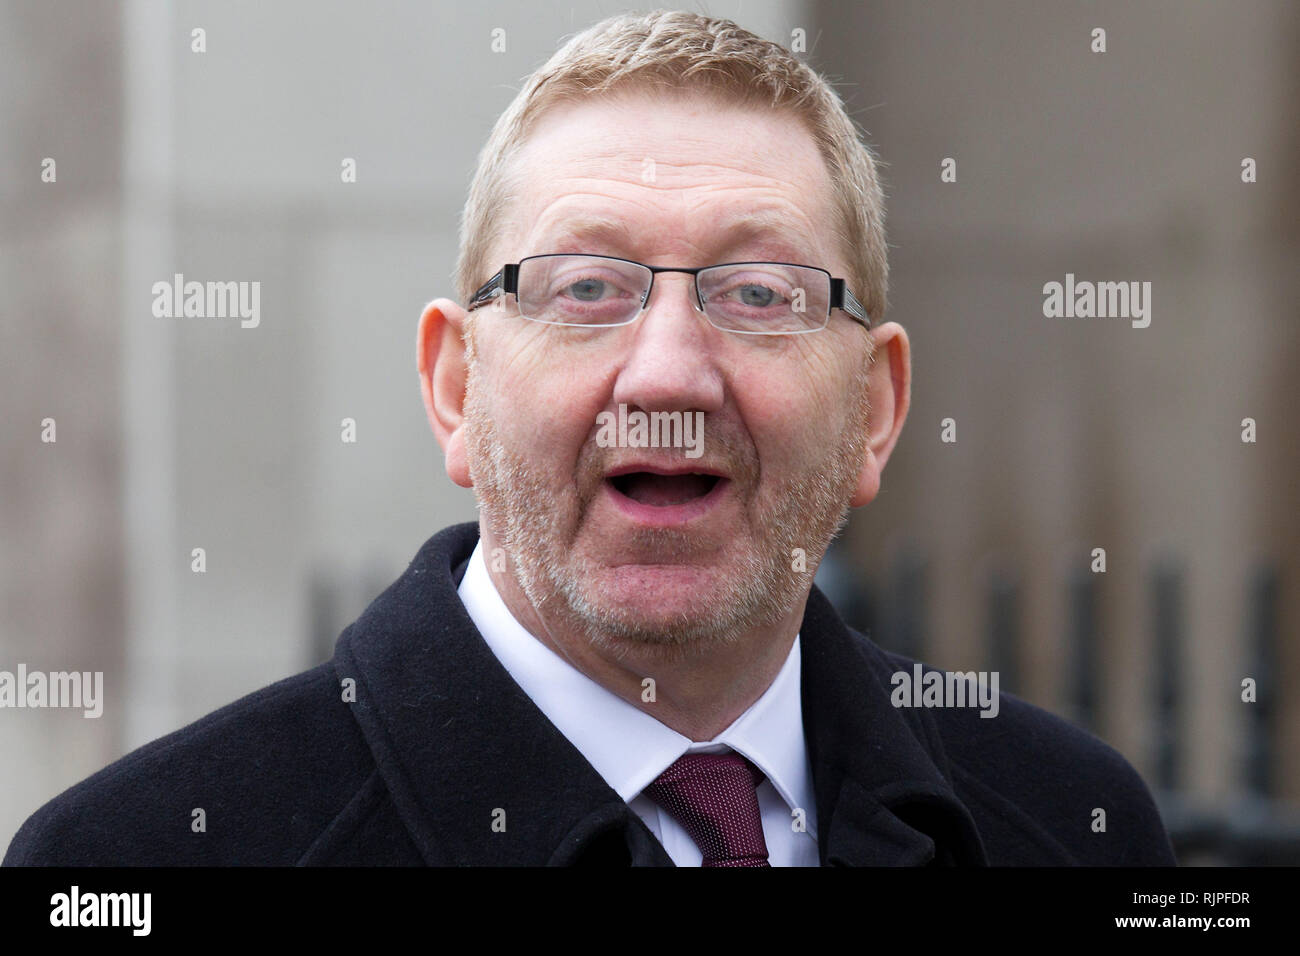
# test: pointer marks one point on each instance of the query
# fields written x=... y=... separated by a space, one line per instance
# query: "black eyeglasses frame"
x=506 y=282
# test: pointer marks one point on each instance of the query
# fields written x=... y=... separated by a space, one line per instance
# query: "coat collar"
x=879 y=772
x=458 y=743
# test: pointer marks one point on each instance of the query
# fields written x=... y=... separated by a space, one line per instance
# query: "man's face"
x=647 y=546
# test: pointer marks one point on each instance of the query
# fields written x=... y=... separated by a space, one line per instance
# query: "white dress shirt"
x=629 y=748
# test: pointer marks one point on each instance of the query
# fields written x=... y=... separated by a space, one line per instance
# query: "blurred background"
x=1072 y=434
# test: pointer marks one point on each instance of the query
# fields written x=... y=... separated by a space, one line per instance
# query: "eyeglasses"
x=750 y=298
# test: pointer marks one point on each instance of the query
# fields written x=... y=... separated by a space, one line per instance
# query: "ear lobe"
x=440 y=360
x=889 y=386
x=868 y=482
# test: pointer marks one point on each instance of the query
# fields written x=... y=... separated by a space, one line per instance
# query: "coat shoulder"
x=1041 y=789
x=269 y=773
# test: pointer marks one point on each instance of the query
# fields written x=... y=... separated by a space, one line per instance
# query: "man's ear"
x=440 y=358
x=889 y=385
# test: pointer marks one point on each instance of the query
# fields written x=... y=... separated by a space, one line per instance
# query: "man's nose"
x=672 y=361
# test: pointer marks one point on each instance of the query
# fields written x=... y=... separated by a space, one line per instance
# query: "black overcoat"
x=441 y=759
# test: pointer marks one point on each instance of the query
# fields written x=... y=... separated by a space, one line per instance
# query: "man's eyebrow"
x=593 y=228
x=764 y=225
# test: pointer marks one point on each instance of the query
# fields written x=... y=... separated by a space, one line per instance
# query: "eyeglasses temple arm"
x=842 y=298
x=507 y=280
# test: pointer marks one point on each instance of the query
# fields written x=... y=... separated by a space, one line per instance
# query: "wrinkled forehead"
x=640 y=173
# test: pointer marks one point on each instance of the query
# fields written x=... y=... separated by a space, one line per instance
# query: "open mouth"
x=662 y=491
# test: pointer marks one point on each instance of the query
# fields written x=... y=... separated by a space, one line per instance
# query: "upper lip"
x=654 y=468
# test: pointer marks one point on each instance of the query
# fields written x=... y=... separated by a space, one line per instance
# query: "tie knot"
x=714 y=798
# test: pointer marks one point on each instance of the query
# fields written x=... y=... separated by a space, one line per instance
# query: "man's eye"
x=587 y=290
x=755 y=295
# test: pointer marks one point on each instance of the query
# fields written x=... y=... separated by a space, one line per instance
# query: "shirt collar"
x=627 y=746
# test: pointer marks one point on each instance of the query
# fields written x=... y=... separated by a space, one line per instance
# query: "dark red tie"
x=714 y=798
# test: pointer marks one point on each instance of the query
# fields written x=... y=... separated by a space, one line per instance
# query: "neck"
x=697 y=694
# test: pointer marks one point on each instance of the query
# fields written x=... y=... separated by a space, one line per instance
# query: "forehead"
x=651 y=175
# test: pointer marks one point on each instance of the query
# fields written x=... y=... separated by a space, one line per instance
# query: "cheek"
x=795 y=409
x=543 y=408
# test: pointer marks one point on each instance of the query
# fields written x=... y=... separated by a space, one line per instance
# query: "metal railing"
x=1253 y=828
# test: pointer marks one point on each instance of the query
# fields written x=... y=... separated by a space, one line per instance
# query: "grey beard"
x=537 y=530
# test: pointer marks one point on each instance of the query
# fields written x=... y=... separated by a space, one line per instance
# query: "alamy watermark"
x=640 y=429
x=1101 y=300
x=922 y=688
x=208 y=300
x=74 y=689
x=75 y=908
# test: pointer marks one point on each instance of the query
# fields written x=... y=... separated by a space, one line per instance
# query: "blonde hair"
x=671 y=51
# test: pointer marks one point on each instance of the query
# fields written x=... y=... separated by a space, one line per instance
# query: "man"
x=667 y=384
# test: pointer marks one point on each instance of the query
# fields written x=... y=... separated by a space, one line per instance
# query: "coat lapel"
x=882 y=799
x=481 y=777
x=462 y=747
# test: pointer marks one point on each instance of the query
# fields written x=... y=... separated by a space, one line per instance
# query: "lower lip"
x=666 y=516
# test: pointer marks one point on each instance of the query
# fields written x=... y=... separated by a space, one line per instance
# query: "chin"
x=673 y=608
x=654 y=636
